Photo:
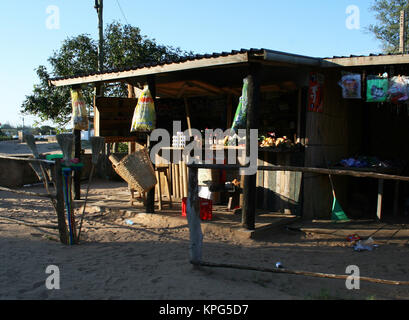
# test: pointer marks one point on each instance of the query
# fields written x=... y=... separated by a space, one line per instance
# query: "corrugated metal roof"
x=165 y=62
x=278 y=56
x=364 y=56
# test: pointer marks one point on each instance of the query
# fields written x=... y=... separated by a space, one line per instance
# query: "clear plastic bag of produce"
x=144 y=118
x=79 y=110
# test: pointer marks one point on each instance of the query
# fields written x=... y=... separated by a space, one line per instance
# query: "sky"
x=31 y=30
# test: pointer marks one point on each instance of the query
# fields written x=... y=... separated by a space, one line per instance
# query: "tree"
x=387 y=12
x=124 y=47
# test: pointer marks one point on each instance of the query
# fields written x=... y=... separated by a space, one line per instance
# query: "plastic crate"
x=206 y=208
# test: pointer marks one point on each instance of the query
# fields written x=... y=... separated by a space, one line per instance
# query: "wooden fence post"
x=60 y=207
x=193 y=218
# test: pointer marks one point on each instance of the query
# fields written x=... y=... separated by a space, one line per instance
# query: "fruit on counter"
x=268 y=142
x=236 y=183
x=271 y=142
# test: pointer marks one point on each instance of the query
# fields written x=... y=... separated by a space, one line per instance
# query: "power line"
x=122 y=11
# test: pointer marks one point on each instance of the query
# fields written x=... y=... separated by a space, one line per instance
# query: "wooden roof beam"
x=368 y=60
x=206 y=86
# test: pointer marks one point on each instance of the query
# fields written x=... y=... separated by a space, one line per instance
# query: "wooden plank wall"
x=279 y=191
x=326 y=138
x=115 y=116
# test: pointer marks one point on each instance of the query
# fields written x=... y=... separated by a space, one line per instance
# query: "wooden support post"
x=77 y=173
x=299 y=111
x=250 y=181
x=97 y=117
x=173 y=179
x=150 y=198
x=193 y=217
x=177 y=181
x=380 y=196
x=189 y=125
x=131 y=95
x=60 y=207
x=159 y=189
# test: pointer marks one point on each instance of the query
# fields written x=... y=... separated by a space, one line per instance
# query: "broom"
x=338 y=213
x=66 y=141
x=38 y=167
x=97 y=145
x=30 y=141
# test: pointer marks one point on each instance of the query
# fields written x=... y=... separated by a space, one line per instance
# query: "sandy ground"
x=14 y=147
x=143 y=262
x=151 y=262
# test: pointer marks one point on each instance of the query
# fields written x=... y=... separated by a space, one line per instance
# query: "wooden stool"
x=165 y=171
x=141 y=198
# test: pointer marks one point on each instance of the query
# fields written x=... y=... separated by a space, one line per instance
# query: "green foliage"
x=124 y=46
x=387 y=12
x=5 y=138
x=6 y=126
x=123 y=147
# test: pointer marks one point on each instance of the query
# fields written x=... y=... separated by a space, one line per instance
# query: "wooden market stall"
x=203 y=92
x=355 y=128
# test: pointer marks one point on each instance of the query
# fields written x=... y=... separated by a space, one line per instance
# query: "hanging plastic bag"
x=398 y=89
x=377 y=89
x=316 y=92
x=351 y=86
x=144 y=118
x=79 y=110
x=240 y=118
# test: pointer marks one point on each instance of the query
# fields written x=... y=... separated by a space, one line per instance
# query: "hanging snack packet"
x=377 y=89
x=79 y=110
x=144 y=118
x=398 y=89
x=351 y=86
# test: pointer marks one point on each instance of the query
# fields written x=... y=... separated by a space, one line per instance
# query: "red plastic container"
x=206 y=208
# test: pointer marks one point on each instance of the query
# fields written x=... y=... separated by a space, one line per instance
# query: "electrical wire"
x=122 y=11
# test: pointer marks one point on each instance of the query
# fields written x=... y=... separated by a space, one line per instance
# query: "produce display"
x=270 y=141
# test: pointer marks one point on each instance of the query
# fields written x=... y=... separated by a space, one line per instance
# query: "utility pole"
x=402 y=33
x=99 y=6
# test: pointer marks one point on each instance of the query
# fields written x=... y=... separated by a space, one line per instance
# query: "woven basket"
x=136 y=169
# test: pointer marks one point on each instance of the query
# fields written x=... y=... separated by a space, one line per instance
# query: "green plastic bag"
x=377 y=89
x=144 y=118
x=240 y=118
